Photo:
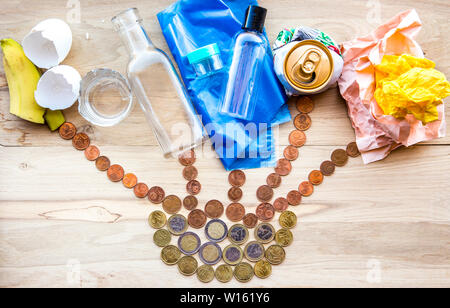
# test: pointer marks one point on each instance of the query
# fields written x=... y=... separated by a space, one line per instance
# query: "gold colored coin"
x=284 y=237
x=288 y=220
x=187 y=265
x=243 y=272
x=224 y=273
x=170 y=255
x=275 y=254
x=157 y=220
x=189 y=243
x=263 y=269
x=162 y=238
x=205 y=273
x=172 y=204
x=232 y=254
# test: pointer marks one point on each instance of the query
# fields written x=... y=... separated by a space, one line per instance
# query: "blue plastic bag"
x=190 y=24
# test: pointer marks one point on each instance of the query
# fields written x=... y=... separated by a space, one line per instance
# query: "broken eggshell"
x=58 y=88
x=49 y=43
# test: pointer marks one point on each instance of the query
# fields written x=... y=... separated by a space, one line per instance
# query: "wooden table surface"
x=378 y=225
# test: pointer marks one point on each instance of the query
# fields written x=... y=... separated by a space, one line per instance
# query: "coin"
x=306 y=189
x=205 y=273
x=157 y=220
x=274 y=180
x=263 y=269
x=284 y=237
x=190 y=203
x=216 y=230
x=283 y=167
x=81 y=141
x=275 y=254
x=214 y=209
x=235 y=212
x=264 y=193
x=288 y=220
x=190 y=173
x=171 y=204
x=235 y=194
x=129 y=180
x=264 y=233
x=193 y=187
x=305 y=104
x=316 y=177
x=243 y=272
x=339 y=157
x=189 y=243
x=290 y=153
x=141 y=190
x=327 y=168
x=102 y=163
x=297 y=138
x=238 y=234
x=265 y=212
x=67 y=131
x=170 y=255
x=232 y=254
x=352 y=150
x=224 y=273
x=187 y=265
x=187 y=158
x=197 y=219
x=92 y=153
x=294 y=197
x=254 y=251
x=236 y=178
x=162 y=238
x=115 y=173
x=210 y=253
x=250 y=220
x=281 y=204
x=177 y=224
x=302 y=122
x=156 y=195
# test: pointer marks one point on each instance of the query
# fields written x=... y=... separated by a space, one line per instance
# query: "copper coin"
x=305 y=104
x=250 y=220
x=290 y=153
x=214 y=209
x=141 y=190
x=302 y=122
x=339 y=157
x=190 y=203
x=315 y=177
x=102 y=163
x=306 y=189
x=156 y=195
x=352 y=150
x=67 y=131
x=92 y=153
x=235 y=194
x=81 y=141
x=115 y=173
x=171 y=204
x=187 y=158
x=193 y=187
x=281 y=204
x=235 y=212
x=294 y=197
x=129 y=180
x=236 y=178
x=327 y=168
x=197 y=219
x=274 y=180
x=297 y=138
x=284 y=167
x=190 y=173
x=264 y=193
x=265 y=212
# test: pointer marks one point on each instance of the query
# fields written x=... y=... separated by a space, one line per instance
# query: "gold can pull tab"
x=304 y=70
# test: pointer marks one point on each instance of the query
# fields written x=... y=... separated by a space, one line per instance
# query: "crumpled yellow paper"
x=410 y=85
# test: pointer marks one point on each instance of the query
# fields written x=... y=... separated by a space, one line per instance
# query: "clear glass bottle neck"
x=136 y=39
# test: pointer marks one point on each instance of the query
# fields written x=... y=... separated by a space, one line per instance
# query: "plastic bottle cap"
x=255 y=18
x=203 y=53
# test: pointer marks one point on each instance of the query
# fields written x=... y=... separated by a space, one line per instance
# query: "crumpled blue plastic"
x=191 y=24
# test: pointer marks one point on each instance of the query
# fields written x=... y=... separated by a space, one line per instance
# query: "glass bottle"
x=158 y=88
x=250 y=47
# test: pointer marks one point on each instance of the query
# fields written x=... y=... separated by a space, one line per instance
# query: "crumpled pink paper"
x=378 y=134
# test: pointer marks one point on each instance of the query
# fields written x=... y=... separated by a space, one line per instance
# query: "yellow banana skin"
x=22 y=76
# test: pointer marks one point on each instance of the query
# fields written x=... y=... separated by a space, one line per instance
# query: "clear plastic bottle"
x=250 y=47
x=158 y=88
